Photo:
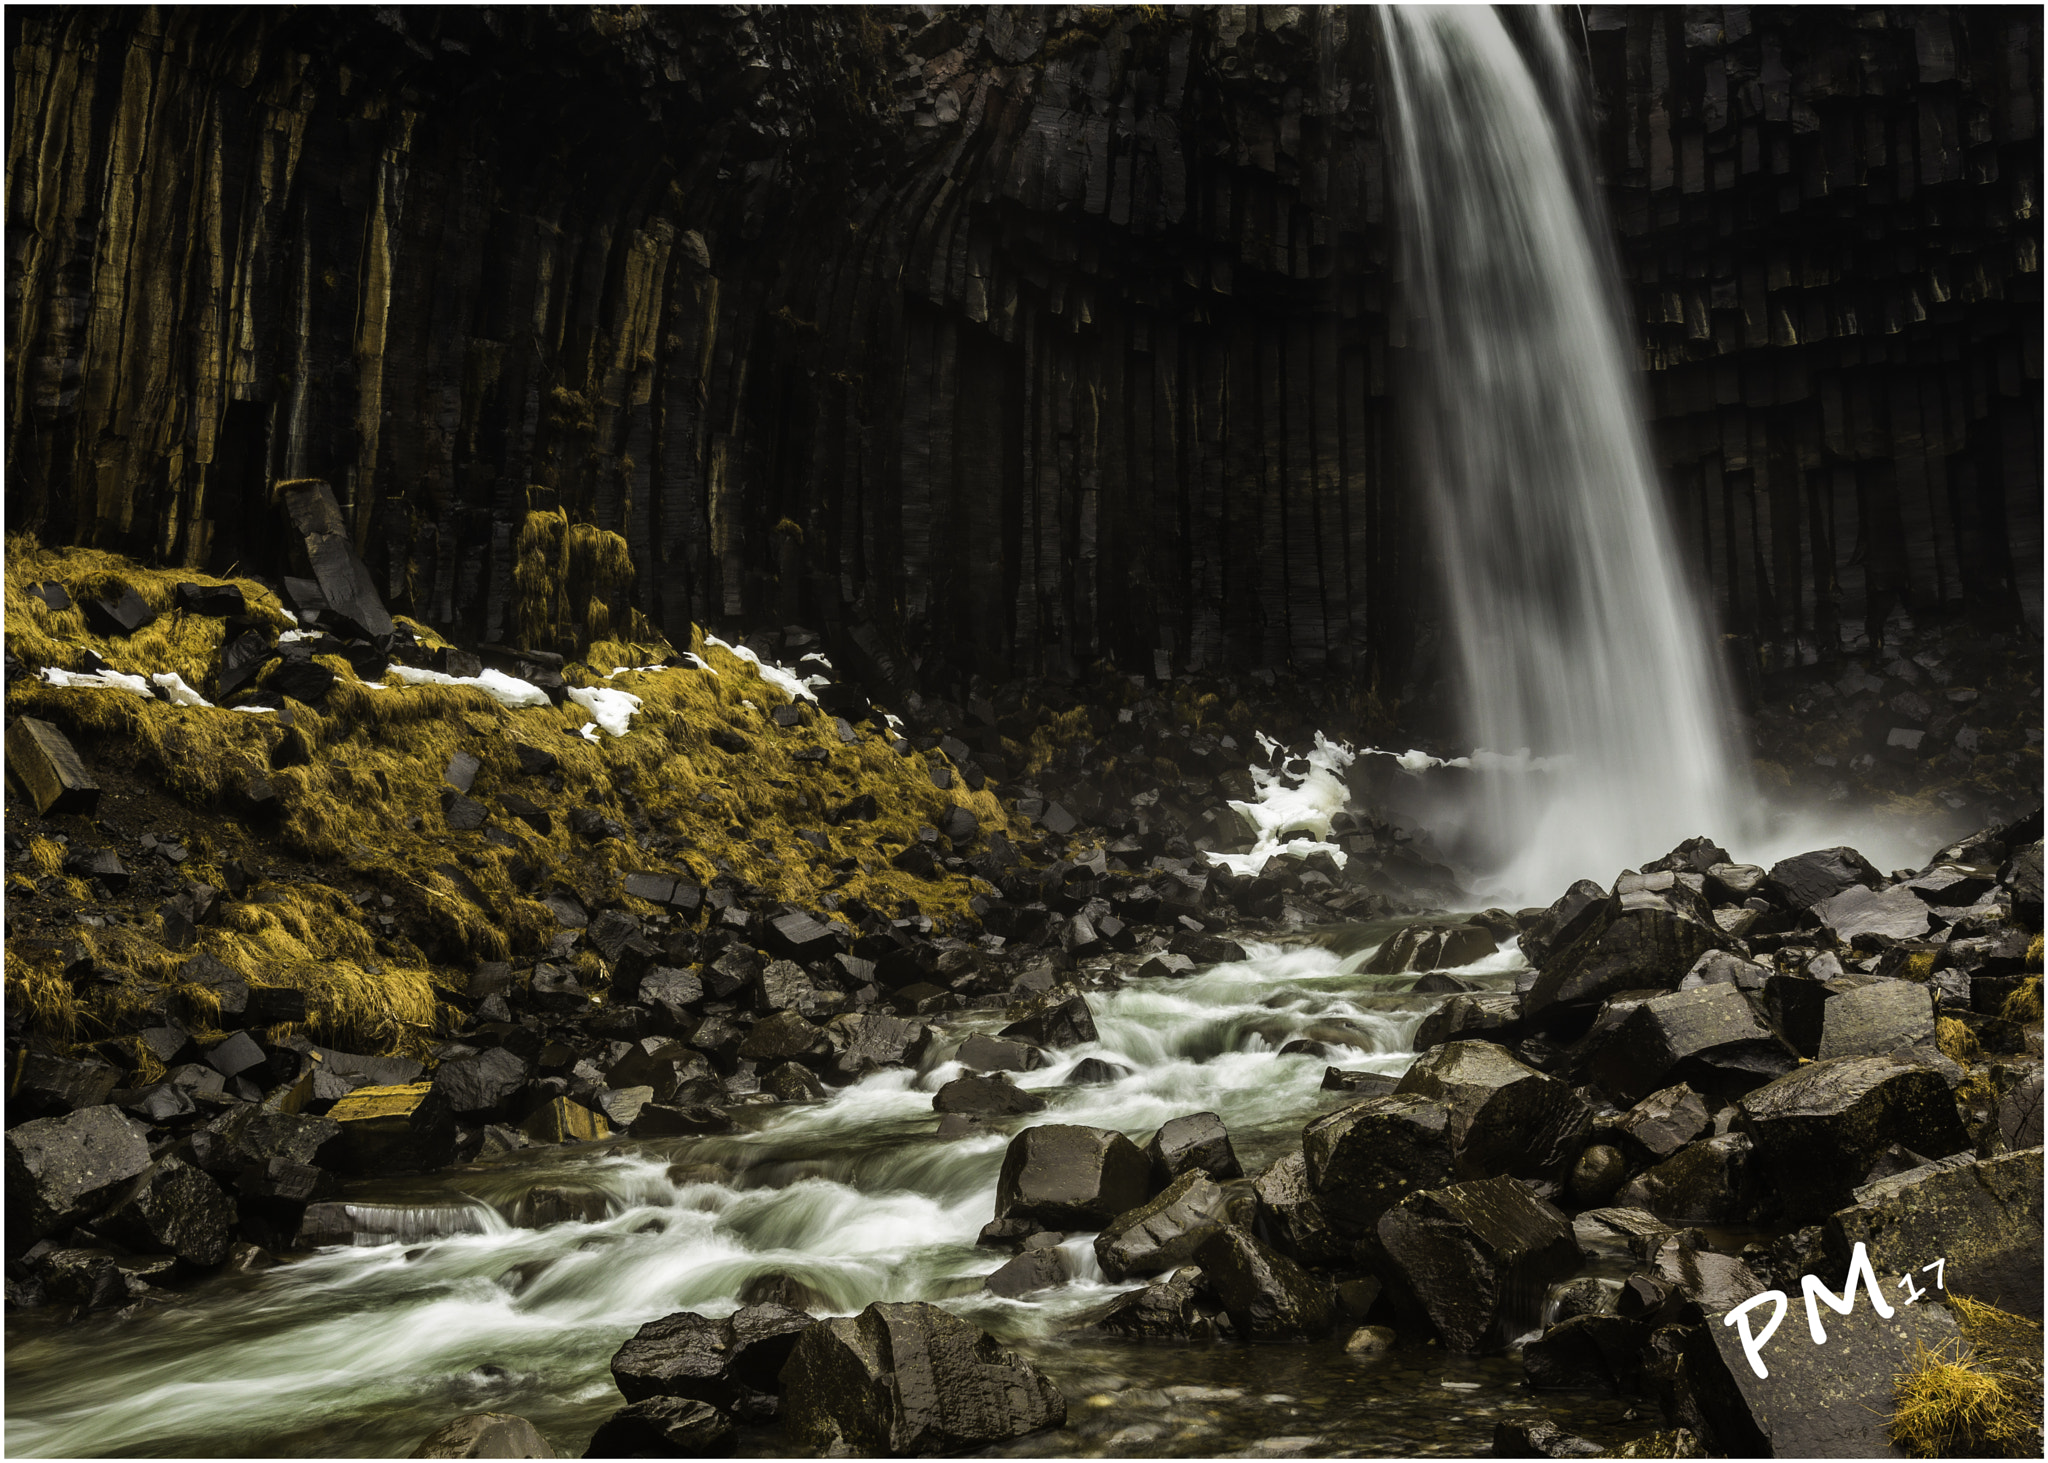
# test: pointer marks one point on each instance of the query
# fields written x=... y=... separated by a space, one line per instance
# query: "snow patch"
x=588 y=731
x=108 y=680
x=180 y=693
x=1293 y=804
x=612 y=710
x=505 y=690
x=781 y=678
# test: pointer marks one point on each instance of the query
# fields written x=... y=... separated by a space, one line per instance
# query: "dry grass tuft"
x=1977 y=1397
x=2024 y=1004
x=1957 y=1042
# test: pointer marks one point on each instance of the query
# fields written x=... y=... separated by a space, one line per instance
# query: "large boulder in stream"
x=1068 y=1177
x=173 y=1209
x=1197 y=1141
x=1290 y=1216
x=1266 y=1295
x=1364 y=1159
x=663 y=1427
x=60 y=1170
x=1060 y=1017
x=731 y=1364
x=1504 y=1117
x=1430 y=947
x=909 y=1380
x=1177 y=1308
x=1819 y=1130
x=1163 y=1233
x=1477 y=1257
x=486 y=1435
x=1646 y=935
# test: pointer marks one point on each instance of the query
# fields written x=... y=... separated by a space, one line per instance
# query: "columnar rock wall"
x=984 y=339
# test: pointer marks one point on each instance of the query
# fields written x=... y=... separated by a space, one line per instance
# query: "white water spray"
x=1576 y=634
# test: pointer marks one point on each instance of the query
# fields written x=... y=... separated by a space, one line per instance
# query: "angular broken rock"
x=1478 y=1256
x=1166 y=1310
x=1068 y=1177
x=1708 y=1182
x=1880 y=1017
x=1035 y=1269
x=993 y=1054
x=1873 y=920
x=344 y=580
x=1818 y=1130
x=1197 y=1141
x=1266 y=1295
x=60 y=1170
x=1982 y=1216
x=1490 y=1016
x=1644 y=937
x=908 y=1379
x=988 y=1096
x=734 y=1364
x=1060 y=1017
x=1804 y=880
x=1162 y=1233
x=1364 y=1159
x=663 y=1427
x=1291 y=1217
x=1430 y=947
x=49 y=768
x=1504 y=1117
x=1709 y=1037
x=1665 y=1121
x=174 y=1209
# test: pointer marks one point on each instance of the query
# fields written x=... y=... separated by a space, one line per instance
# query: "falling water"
x=1577 y=636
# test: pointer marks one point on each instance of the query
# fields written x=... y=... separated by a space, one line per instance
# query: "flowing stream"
x=366 y=1350
x=1577 y=635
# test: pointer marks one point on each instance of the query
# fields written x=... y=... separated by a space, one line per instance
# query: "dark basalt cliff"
x=994 y=339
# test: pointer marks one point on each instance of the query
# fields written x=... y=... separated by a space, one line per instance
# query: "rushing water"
x=1576 y=632
x=365 y=1350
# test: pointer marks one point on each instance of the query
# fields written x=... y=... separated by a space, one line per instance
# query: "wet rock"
x=486 y=1435
x=661 y=1120
x=733 y=1364
x=1665 y=1121
x=793 y=1083
x=47 y=1085
x=175 y=1209
x=1162 y=1233
x=1266 y=1295
x=344 y=581
x=1477 y=1257
x=1708 y=1182
x=1880 y=1017
x=1289 y=1215
x=1094 y=1072
x=1807 y=879
x=1430 y=947
x=2019 y=1113
x=1197 y=1141
x=910 y=1380
x=1034 y=1269
x=1599 y=1171
x=663 y=1427
x=60 y=1170
x=1363 y=1084
x=869 y=1041
x=481 y=1087
x=49 y=768
x=991 y=1096
x=1586 y=1353
x=1166 y=963
x=1206 y=949
x=1059 y=1018
x=1873 y=920
x=1539 y=1438
x=1710 y=1037
x=1363 y=1159
x=1818 y=1130
x=993 y=1054
x=564 y=1121
x=1647 y=934
x=1069 y=1177
x=118 y=614
x=1493 y=1017
x=1982 y=1216
x=1504 y=1116
x=783 y=1037
x=1171 y=1309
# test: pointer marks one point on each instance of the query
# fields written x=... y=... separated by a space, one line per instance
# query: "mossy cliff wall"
x=985 y=338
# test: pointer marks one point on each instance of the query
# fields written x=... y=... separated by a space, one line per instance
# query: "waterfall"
x=1577 y=635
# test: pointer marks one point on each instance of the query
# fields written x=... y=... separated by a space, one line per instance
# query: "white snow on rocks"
x=611 y=710
x=180 y=693
x=505 y=690
x=109 y=679
x=1290 y=803
x=781 y=678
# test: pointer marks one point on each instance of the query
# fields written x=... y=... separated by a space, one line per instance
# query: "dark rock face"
x=1363 y=1159
x=1034 y=1269
x=59 y=1170
x=1983 y=1217
x=1645 y=936
x=1291 y=1217
x=1266 y=1295
x=1430 y=947
x=1197 y=1141
x=1068 y=1177
x=1710 y=1037
x=175 y=1209
x=731 y=1364
x=1163 y=1233
x=1880 y=1017
x=663 y=1427
x=1818 y=1130
x=1171 y=1309
x=1665 y=1121
x=987 y=1096
x=1060 y=1017
x=1505 y=1117
x=1478 y=1256
x=909 y=1380
x=486 y=1435
x=1708 y=1182
x=991 y=1054
x=1807 y=879
x=1587 y=1353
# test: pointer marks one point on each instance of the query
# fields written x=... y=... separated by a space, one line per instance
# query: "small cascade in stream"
x=1577 y=636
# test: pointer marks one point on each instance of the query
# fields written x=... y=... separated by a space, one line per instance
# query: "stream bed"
x=363 y=1351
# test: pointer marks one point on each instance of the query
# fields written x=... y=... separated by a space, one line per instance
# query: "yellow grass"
x=1976 y=1397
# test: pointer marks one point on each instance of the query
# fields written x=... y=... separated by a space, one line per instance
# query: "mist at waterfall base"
x=1578 y=640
